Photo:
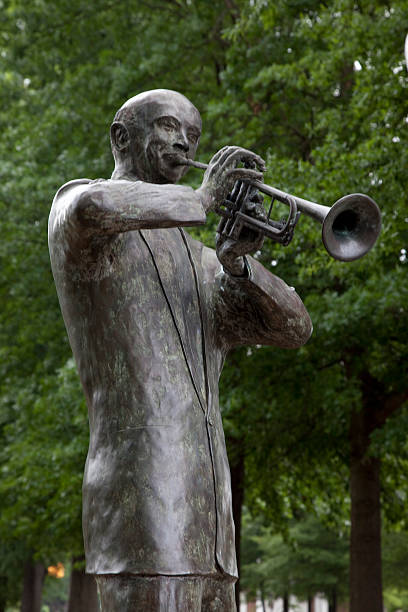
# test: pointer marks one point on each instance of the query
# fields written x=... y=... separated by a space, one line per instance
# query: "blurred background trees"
x=319 y=90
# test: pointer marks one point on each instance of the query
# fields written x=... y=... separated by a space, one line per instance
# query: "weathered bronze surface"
x=151 y=314
x=184 y=593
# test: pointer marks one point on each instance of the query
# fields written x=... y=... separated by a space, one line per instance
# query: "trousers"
x=133 y=593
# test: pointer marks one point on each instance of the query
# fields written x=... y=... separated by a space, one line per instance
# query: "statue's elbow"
x=307 y=329
x=302 y=330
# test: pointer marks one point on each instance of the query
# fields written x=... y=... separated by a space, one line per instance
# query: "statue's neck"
x=125 y=170
x=122 y=174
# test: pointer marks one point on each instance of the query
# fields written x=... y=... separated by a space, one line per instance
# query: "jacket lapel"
x=203 y=313
x=176 y=276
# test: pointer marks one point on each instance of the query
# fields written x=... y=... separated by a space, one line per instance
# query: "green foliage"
x=313 y=560
x=56 y=590
x=284 y=79
x=395 y=564
x=396 y=601
x=327 y=130
x=42 y=467
x=395 y=557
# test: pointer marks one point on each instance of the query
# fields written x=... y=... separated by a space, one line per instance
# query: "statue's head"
x=149 y=131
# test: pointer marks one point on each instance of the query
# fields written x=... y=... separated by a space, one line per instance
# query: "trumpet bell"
x=351 y=227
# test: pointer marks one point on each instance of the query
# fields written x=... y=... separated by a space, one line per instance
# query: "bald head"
x=150 y=130
x=141 y=108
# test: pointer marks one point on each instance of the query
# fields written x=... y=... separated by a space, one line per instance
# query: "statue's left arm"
x=258 y=308
x=251 y=305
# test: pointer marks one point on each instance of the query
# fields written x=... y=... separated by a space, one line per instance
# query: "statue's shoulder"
x=75 y=183
x=63 y=206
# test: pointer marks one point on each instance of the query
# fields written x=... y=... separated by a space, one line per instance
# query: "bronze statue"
x=151 y=315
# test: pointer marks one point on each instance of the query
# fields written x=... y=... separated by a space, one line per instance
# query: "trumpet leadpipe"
x=191 y=162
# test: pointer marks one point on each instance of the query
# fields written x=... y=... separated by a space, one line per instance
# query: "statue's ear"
x=120 y=135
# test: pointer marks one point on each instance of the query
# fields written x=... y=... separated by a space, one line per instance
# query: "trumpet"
x=350 y=227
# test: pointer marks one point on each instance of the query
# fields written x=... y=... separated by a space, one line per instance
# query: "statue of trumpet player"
x=151 y=315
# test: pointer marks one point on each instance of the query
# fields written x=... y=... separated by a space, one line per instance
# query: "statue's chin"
x=154 y=168
x=167 y=173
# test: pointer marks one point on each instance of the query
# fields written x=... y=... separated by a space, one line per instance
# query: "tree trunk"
x=83 y=595
x=58 y=606
x=333 y=601
x=3 y=593
x=237 y=486
x=311 y=604
x=365 y=539
x=33 y=580
x=286 y=603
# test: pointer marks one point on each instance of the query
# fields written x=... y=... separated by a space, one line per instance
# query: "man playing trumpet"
x=151 y=315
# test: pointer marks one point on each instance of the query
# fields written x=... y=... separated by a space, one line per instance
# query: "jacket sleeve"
x=111 y=207
x=258 y=309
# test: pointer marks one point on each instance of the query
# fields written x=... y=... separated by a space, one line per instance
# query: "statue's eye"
x=167 y=123
x=193 y=137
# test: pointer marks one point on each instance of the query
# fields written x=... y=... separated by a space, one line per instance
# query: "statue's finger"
x=226 y=153
x=242 y=155
x=243 y=174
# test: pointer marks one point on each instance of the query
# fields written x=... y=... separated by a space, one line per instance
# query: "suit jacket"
x=151 y=315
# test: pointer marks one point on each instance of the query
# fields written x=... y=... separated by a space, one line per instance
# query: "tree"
x=83 y=596
x=395 y=560
x=34 y=576
x=320 y=90
x=318 y=96
x=312 y=560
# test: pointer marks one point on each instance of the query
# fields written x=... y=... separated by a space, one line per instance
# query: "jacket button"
x=210 y=421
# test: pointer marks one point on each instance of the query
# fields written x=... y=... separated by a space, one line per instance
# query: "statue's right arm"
x=114 y=206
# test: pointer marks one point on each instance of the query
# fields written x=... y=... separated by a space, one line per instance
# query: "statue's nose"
x=181 y=143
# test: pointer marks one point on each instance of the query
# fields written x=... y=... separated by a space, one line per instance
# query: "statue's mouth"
x=175 y=159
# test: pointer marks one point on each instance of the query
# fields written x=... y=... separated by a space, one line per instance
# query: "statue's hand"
x=230 y=252
x=222 y=172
